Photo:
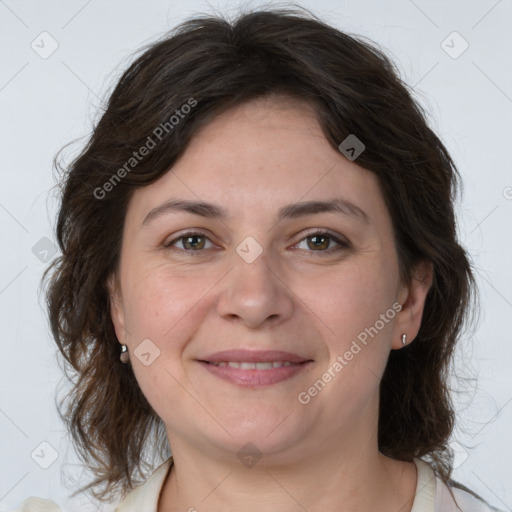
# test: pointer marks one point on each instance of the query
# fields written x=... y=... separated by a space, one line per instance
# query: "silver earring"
x=125 y=356
x=404 y=339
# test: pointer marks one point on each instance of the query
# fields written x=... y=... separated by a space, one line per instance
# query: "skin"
x=252 y=160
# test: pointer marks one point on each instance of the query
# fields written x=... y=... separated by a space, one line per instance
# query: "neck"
x=324 y=480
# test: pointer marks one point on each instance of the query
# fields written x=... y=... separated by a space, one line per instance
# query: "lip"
x=255 y=378
x=253 y=356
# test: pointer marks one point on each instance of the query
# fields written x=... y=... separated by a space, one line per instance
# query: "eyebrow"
x=291 y=211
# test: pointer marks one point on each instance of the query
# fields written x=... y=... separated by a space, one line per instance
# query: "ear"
x=412 y=298
x=116 y=307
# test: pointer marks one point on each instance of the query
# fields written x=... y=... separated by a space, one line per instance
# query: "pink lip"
x=254 y=378
x=253 y=356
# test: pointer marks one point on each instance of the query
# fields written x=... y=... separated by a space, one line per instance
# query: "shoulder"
x=433 y=495
x=145 y=497
x=34 y=504
x=465 y=500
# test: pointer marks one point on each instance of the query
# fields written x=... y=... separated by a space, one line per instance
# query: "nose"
x=255 y=293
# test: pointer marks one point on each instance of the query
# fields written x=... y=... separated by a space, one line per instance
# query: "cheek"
x=350 y=301
x=165 y=309
x=359 y=315
x=156 y=302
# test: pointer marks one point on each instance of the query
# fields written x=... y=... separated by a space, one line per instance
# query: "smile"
x=254 y=366
x=254 y=374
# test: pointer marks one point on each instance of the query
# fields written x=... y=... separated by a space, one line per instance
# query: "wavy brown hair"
x=217 y=63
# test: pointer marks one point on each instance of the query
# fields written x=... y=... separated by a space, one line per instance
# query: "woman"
x=260 y=274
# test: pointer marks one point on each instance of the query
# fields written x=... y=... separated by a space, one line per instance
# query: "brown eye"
x=190 y=242
x=320 y=241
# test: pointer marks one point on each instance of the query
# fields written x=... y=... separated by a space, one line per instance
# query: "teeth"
x=255 y=366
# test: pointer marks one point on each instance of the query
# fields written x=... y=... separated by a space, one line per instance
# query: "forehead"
x=259 y=156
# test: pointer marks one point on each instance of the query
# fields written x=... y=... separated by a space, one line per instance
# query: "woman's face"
x=248 y=273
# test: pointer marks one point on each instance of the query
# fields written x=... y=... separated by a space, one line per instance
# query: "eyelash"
x=342 y=245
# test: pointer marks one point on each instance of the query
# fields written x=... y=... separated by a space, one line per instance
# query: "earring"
x=404 y=339
x=125 y=356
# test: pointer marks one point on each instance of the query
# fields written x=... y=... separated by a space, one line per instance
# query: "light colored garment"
x=432 y=495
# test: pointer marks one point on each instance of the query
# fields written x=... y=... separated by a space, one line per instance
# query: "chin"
x=271 y=435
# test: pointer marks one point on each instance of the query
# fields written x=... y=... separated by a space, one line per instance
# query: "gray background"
x=47 y=102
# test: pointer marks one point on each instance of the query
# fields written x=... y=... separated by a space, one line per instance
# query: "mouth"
x=247 y=365
x=254 y=368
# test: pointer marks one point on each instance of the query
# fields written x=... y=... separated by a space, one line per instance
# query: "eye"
x=320 y=241
x=191 y=242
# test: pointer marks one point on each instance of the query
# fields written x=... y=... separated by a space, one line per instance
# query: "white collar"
x=146 y=496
